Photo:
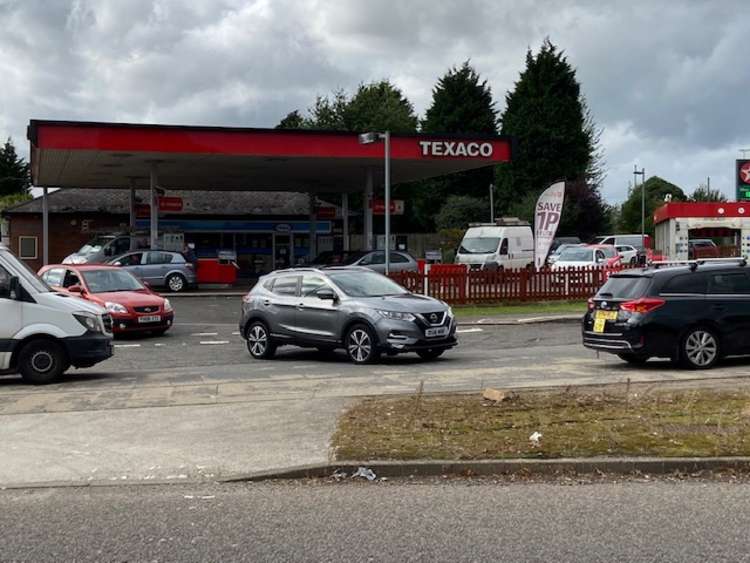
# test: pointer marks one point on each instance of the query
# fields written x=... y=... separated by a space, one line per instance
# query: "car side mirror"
x=75 y=289
x=326 y=294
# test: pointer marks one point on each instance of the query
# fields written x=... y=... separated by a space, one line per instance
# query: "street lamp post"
x=366 y=139
x=642 y=174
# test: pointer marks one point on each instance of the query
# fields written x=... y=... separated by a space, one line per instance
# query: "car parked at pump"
x=353 y=308
x=375 y=260
x=693 y=314
x=159 y=268
x=133 y=306
x=628 y=254
x=43 y=332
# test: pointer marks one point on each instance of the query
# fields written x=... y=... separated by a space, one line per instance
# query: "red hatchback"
x=134 y=306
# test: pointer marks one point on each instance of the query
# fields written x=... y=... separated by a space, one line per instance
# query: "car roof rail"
x=693 y=264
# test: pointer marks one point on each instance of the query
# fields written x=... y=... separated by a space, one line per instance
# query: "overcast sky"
x=668 y=83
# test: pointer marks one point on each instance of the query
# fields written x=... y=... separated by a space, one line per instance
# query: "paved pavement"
x=192 y=403
x=393 y=521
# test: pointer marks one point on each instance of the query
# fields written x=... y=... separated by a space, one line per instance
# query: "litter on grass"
x=534 y=439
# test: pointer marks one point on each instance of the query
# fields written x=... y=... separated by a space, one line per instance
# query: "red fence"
x=457 y=285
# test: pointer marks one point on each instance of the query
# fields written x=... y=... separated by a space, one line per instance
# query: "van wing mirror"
x=10 y=290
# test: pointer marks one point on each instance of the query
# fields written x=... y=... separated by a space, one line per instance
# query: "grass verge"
x=573 y=424
x=541 y=308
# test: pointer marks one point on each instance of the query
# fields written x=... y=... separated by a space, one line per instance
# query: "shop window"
x=27 y=248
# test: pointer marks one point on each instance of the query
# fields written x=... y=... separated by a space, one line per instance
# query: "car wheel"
x=176 y=283
x=42 y=361
x=259 y=342
x=430 y=353
x=699 y=348
x=361 y=346
x=634 y=359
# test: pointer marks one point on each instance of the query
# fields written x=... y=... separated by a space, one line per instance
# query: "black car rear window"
x=729 y=283
x=686 y=283
x=624 y=287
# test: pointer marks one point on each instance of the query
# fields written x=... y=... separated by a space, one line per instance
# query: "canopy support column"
x=367 y=204
x=154 y=227
x=312 y=254
x=345 y=219
x=45 y=227
x=131 y=222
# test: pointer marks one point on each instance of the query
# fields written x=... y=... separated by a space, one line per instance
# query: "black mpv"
x=693 y=314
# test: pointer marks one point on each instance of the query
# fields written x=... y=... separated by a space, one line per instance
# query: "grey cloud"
x=667 y=80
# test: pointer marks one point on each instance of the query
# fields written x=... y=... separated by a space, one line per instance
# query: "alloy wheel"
x=701 y=348
x=176 y=283
x=257 y=340
x=359 y=345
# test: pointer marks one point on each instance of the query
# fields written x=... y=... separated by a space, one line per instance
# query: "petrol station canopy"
x=119 y=155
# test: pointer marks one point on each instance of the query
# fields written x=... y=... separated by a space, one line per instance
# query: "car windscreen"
x=365 y=284
x=609 y=251
x=479 y=245
x=352 y=258
x=94 y=245
x=577 y=254
x=103 y=281
x=28 y=275
x=624 y=287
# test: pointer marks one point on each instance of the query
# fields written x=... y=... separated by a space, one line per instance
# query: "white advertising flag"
x=547 y=215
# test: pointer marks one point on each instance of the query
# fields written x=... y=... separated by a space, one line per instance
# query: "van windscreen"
x=624 y=287
x=479 y=245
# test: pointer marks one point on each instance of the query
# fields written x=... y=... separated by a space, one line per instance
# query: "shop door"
x=282 y=251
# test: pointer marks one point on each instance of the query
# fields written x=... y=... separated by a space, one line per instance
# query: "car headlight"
x=89 y=321
x=450 y=311
x=115 y=307
x=397 y=316
x=167 y=306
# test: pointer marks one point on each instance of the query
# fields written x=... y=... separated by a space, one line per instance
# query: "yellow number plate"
x=599 y=325
x=606 y=315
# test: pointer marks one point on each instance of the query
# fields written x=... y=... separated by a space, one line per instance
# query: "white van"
x=43 y=332
x=508 y=243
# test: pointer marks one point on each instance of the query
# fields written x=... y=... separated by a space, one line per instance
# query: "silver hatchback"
x=353 y=308
x=160 y=268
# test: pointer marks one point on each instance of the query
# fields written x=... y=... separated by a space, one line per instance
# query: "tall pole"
x=643 y=208
x=154 y=224
x=492 y=203
x=387 y=138
x=45 y=227
x=345 y=218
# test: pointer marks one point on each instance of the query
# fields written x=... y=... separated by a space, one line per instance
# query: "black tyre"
x=42 y=361
x=361 y=346
x=175 y=283
x=259 y=342
x=700 y=348
x=430 y=353
x=634 y=359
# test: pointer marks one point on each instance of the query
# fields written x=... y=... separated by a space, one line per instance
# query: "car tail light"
x=642 y=305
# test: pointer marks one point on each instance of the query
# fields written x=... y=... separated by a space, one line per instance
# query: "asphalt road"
x=393 y=521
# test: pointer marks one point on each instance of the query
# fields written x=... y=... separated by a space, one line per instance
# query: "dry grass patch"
x=573 y=424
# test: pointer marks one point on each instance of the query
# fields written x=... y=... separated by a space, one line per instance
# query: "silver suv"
x=353 y=308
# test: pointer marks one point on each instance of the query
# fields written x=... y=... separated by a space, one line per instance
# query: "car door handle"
x=266 y=302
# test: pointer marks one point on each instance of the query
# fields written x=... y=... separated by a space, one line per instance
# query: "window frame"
x=296 y=293
x=36 y=247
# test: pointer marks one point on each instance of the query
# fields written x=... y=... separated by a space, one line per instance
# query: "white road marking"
x=235 y=334
x=127 y=345
x=205 y=334
x=210 y=342
x=467 y=330
x=159 y=344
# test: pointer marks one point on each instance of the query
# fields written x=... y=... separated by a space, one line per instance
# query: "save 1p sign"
x=546 y=219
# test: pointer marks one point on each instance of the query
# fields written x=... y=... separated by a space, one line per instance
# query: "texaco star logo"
x=745 y=173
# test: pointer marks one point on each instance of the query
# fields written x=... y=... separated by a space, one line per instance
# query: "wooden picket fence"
x=461 y=286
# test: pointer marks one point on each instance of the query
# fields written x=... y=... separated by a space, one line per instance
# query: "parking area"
x=203 y=360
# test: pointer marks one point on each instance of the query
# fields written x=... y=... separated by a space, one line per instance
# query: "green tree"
x=657 y=192
x=379 y=106
x=461 y=103
x=460 y=210
x=556 y=135
x=293 y=120
x=704 y=193
x=15 y=176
